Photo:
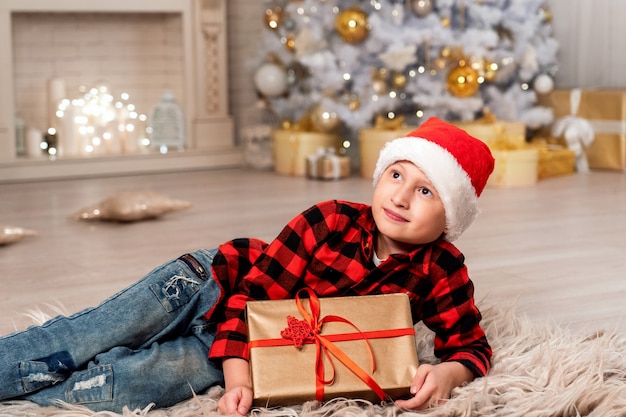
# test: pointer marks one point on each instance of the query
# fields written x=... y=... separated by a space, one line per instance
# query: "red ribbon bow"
x=299 y=331
x=309 y=330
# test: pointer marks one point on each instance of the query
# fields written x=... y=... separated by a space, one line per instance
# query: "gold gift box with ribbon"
x=291 y=147
x=327 y=165
x=515 y=161
x=605 y=111
x=318 y=349
x=495 y=132
x=514 y=168
x=554 y=159
x=372 y=140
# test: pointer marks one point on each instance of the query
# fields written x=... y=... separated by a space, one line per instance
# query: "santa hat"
x=457 y=164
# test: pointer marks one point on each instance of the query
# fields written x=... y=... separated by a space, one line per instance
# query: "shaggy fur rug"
x=539 y=369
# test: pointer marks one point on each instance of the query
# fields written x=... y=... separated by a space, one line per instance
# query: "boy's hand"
x=237 y=400
x=238 y=396
x=433 y=384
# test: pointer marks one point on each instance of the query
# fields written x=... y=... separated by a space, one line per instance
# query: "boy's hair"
x=457 y=164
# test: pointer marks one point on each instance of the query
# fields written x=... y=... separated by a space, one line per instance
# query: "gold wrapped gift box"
x=283 y=374
x=606 y=111
x=326 y=165
x=291 y=148
x=372 y=140
x=516 y=162
x=555 y=160
x=514 y=168
x=493 y=132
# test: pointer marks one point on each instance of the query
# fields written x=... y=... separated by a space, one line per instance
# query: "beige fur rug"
x=539 y=369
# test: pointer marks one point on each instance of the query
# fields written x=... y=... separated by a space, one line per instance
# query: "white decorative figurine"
x=168 y=125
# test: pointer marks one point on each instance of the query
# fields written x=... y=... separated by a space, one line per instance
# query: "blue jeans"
x=147 y=344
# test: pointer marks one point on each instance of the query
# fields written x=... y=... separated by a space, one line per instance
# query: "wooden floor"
x=557 y=250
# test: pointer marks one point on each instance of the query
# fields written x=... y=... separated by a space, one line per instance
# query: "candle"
x=56 y=93
x=68 y=140
x=33 y=143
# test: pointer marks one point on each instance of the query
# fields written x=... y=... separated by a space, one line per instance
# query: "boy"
x=149 y=343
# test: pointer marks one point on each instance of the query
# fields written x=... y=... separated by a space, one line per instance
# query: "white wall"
x=591 y=35
x=245 y=20
x=140 y=54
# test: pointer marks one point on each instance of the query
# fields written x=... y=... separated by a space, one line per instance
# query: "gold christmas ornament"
x=274 y=18
x=491 y=69
x=398 y=80
x=445 y=22
x=324 y=120
x=286 y=124
x=462 y=81
x=379 y=80
x=440 y=63
x=422 y=7
x=379 y=86
x=352 y=25
x=354 y=104
x=290 y=42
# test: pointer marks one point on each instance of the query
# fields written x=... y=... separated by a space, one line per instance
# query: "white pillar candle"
x=56 y=93
x=33 y=143
x=131 y=144
x=68 y=141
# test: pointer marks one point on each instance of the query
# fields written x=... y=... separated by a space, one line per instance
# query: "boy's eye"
x=425 y=191
x=395 y=174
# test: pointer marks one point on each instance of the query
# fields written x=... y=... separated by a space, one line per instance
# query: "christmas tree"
x=348 y=63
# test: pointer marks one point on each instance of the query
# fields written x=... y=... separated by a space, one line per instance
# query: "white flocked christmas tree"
x=344 y=64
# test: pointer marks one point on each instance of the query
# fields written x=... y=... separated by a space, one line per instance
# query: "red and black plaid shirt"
x=329 y=248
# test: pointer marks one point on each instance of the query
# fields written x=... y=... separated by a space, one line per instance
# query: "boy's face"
x=407 y=209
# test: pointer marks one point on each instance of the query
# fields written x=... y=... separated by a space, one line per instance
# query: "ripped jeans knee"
x=44 y=372
x=91 y=385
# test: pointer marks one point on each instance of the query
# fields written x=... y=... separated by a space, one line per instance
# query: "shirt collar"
x=365 y=220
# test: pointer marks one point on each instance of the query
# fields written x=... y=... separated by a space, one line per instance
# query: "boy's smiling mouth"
x=394 y=216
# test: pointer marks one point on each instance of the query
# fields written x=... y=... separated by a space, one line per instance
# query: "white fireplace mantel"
x=210 y=141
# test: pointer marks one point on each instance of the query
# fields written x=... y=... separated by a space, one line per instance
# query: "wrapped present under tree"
x=604 y=112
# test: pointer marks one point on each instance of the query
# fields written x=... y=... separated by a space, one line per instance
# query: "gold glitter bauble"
x=379 y=86
x=324 y=120
x=352 y=25
x=290 y=42
x=462 y=81
x=422 y=7
x=491 y=69
x=398 y=80
x=274 y=18
x=354 y=104
x=286 y=124
x=440 y=63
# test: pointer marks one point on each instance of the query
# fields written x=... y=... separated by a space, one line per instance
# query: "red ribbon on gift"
x=308 y=331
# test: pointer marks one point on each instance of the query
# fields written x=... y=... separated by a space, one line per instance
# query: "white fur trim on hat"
x=451 y=182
